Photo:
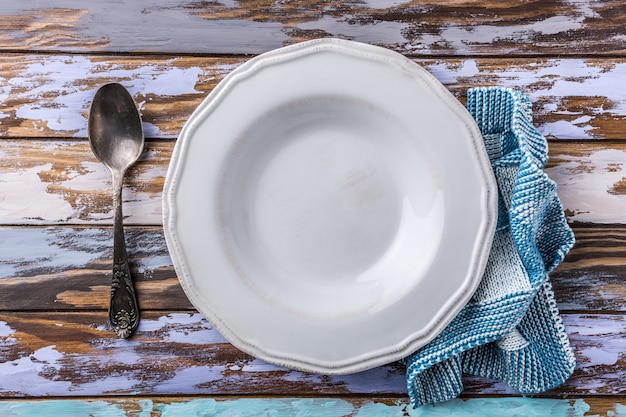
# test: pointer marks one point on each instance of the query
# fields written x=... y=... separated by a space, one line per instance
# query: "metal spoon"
x=116 y=138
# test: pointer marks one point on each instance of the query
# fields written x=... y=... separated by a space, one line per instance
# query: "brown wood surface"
x=60 y=182
x=173 y=353
x=466 y=27
x=46 y=96
x=56 y=351
x=68 y=269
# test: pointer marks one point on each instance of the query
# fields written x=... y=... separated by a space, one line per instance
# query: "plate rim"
x=477 y=263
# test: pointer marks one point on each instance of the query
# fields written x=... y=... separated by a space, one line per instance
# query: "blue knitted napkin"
x=511 y=329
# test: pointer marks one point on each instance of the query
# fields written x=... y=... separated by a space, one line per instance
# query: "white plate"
x=329 y=207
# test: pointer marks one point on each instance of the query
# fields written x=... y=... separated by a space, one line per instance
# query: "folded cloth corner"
x=511 y=329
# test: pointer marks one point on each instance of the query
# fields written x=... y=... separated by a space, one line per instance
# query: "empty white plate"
x=329 y=207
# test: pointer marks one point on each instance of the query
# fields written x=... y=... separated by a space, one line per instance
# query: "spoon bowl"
x=115 y=129
x=116 y=139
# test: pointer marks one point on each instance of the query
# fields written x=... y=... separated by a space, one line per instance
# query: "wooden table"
x=57 y=354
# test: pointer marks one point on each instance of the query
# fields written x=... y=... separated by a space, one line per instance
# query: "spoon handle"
x=123 y=311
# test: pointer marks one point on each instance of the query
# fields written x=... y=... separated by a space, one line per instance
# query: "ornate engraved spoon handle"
x=123 y=311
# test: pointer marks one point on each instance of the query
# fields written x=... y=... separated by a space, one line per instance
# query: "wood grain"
x=569 y=56
x=465 y=27
x=62 y=182
x=179 y=353
x=590 y=180
x=593 y=273
x=46 y=182
x=48 y=96
x=68 y=269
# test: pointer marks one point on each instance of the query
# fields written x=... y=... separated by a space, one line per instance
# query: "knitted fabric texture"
x=511 y=329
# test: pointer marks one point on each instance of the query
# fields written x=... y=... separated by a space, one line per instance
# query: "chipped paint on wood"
x=572 y=98
x=590 y=183
x=49 y=96
x=57 y=182
x=69 y=354
x=68 y=268
x=63 y=182
x=54 y=338
x=428 y=28
x=186 y=354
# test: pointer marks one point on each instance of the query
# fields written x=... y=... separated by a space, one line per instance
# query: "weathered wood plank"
x=465 y=27
x=45 y=182
x=571 y=97
x=49 y=95
x=317 y=406
x=593 y=274
x=68 y=268
x=75 y=354
x=58 y=271
x=63 y=182
x=590 y=179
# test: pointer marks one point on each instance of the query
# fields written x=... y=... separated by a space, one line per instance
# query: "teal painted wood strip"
x=319 y=407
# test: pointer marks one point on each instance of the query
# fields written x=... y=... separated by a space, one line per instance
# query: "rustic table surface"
x=57 y=354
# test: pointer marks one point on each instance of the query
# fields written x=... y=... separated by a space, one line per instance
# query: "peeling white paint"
x=111 y=384
x=603 y=339
x=560 y=79
x=116 y=366
x=148 y=265
x=602 y=356
x=380 y=33
x=25 y=250
x=188 y=380
x=609 y=325
x=6 y=333
x=24 y=375
x=5 y=330
x=5 y=93
x=104 y=23
x=257 y=365
x=551 y=83
x=447 y=74
x=24 y=197
x=565 y=129
x=587 y=195
x=171 y=319
x=384 y=4
x=466 y=39
x=92 y=177
x=189 y=328
x=578 y=78
x=67 y=111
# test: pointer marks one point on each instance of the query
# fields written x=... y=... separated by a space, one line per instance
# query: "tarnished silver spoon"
x=116 y=138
